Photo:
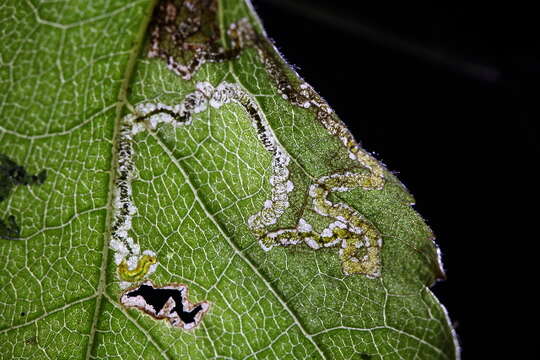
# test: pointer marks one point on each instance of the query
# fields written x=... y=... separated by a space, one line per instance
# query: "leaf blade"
x=195 y=189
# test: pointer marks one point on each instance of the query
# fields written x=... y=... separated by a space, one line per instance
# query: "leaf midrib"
x=122 y=102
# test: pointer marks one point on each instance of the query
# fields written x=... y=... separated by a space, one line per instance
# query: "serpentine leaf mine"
x=176 y=27
x=186 y=35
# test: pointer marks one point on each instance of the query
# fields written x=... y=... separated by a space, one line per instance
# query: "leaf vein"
x=47 y=313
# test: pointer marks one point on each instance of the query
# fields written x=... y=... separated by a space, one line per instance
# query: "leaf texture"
x=194 y=102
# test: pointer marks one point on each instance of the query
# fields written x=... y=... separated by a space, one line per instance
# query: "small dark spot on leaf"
x=40 y=178
x=11 y=175
x=9 y=229
x=23 y=313
x=31 y=340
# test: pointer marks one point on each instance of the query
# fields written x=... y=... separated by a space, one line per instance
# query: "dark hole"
x=158 y=297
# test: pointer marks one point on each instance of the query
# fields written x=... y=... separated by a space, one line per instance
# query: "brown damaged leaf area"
x=186 y=35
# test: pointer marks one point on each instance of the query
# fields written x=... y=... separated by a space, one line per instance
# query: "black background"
x=446 y=97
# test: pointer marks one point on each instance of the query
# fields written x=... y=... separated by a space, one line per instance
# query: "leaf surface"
x=240 y=183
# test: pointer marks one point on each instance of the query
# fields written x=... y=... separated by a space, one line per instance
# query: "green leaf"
x=174 y=162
